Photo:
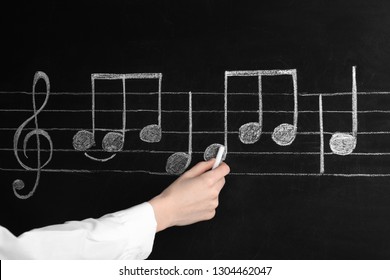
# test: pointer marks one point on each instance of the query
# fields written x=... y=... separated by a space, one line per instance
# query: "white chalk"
x=218 y=160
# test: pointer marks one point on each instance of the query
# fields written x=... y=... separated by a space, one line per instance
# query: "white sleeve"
x=127 y=234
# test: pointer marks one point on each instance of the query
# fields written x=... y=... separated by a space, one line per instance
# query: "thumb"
x=199 y=168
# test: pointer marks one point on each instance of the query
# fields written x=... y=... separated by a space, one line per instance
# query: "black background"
x=192 y=43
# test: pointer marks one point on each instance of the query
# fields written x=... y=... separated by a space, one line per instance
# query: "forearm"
x=127 y=234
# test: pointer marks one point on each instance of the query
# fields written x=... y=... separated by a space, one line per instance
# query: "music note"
x=18 y=184
x=284 y=134
x=114 y=141
x=178 y=162
x=344 y=143
x=152 y=133
x=249 y=133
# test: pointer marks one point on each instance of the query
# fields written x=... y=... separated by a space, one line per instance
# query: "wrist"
x=162 y=212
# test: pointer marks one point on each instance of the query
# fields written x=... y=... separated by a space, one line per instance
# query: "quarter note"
x=248 y=133
x=114 y=141
x=178 y=162
x=18 y=184
x=344 y=143
x=340 y=143
x=285 y=133
x=152 y=133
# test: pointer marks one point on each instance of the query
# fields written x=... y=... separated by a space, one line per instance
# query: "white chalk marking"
x=113 y=147
x=322 y=165
x=19 y=184
x=344 y=143
x=204 y=93
x=152 y=133
x=232 y=173
x=178 y=162
x=204 y=131
x=249 y=133
x=201 y=152
x=114 y=141
x=195 y=111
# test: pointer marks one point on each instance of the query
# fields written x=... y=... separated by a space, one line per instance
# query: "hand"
x=193 y=197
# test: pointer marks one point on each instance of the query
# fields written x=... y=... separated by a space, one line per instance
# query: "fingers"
x=199 y=168
x=219 y=185
x=218 y=173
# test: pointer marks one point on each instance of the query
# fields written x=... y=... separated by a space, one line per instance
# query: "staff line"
x=186 y=111
x=316 y=94
x=200 y=152
x=201 y=132
x=232 y=173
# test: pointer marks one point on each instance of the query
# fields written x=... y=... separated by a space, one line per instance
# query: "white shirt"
x=127 y=234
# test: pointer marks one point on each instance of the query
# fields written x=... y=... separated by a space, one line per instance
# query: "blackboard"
x=280 y=202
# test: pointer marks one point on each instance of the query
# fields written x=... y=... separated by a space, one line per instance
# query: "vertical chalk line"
x=260 y=101
x=225 y=112
x=295 y=86
x=354 y=103
x=322 y=164
x=93 y=105
x=159 y=100
x=124 y=110
x=190 y=124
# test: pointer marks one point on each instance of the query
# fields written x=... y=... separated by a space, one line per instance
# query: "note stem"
x=322 y=164
x=354 y=103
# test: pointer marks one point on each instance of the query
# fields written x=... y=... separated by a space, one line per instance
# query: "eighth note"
x=114 y=141
x=250 y=133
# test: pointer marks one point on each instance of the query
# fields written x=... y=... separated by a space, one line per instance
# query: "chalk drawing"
x=113 y=141
x=322 y=164
x=178 y=162
x=340 y=143
x=212 y=151
x=344 y=143
x=18 y=184
x=152 y=133
x=250 y=133
x=83 y=140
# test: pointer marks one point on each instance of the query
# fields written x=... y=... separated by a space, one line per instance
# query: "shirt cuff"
x=140 y=224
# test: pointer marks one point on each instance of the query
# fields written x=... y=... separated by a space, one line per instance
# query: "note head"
x=83 y=140
x=151 y=133
x=284 y=134
x=177 y=163
x=342 y=143
x=212 y=151
x=113 y=142
x=250 y=133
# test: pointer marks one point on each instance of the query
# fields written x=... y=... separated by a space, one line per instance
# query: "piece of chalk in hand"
x=218 y=159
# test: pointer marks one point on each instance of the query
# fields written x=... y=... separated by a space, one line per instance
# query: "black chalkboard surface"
x=318 y=188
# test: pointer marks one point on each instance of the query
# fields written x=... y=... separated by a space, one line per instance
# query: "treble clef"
x=18 y=184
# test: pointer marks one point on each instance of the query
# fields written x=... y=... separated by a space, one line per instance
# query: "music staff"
x=178 y=161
